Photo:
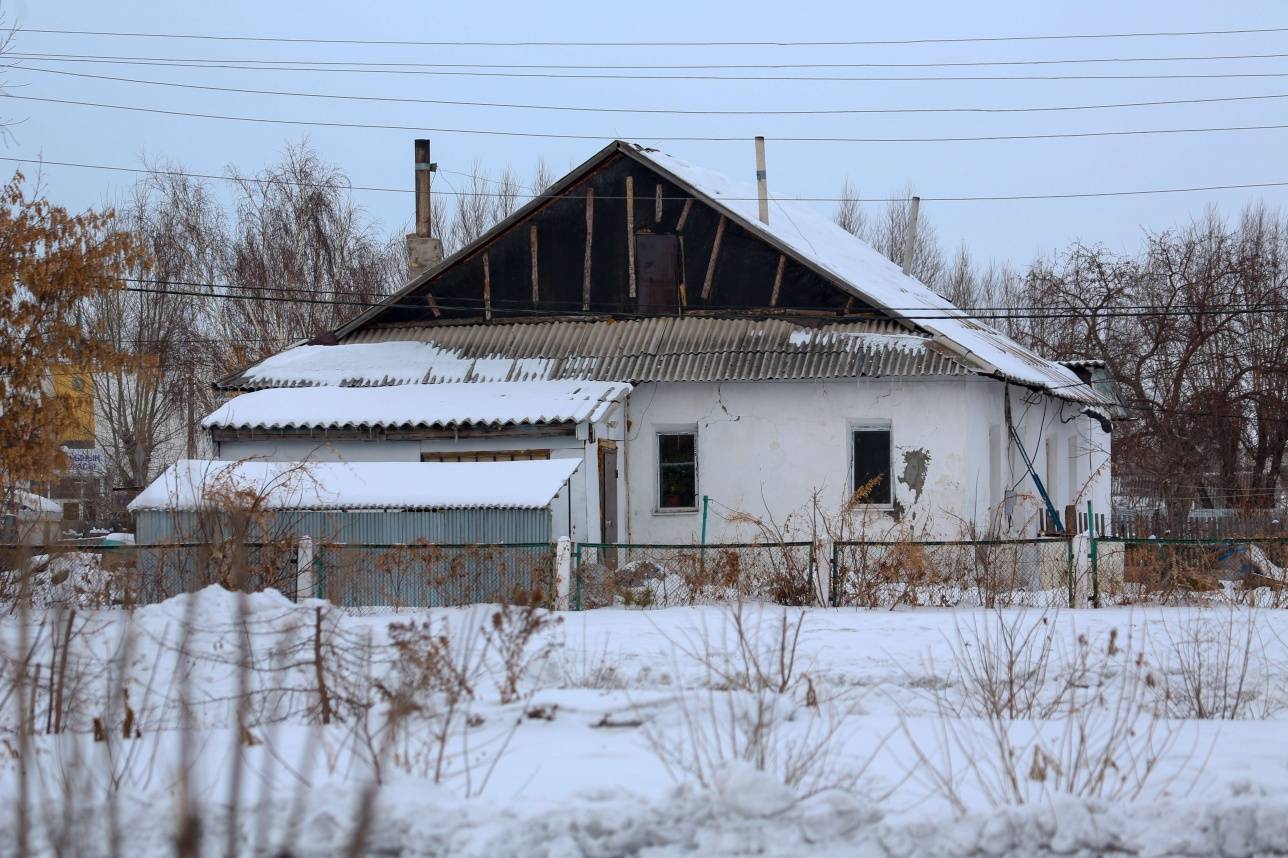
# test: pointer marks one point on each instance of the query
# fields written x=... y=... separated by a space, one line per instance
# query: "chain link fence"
x=663 y=576
x=1177 y=570
x=978 y=573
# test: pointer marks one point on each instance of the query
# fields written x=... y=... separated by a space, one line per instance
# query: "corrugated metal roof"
x=433 y=406
x=636 y=350
x=216 y=484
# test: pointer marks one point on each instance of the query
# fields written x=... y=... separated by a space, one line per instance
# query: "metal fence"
x=1164 y=570
x=660 y=576
x=427 y=576
x=983 y=573
x=1044 y=572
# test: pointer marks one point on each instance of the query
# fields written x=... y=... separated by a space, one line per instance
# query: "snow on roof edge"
x=195 y=484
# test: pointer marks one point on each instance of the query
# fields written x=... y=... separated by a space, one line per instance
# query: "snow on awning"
x=192 y=484
x=419 y=405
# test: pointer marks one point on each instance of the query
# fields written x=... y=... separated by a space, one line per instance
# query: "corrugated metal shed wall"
x=377 y=527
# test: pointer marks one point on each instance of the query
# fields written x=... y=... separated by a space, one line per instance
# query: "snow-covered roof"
x=31 y=502
x=663 y=348
x=852 y=262
x=417 y=405
x=205 y=484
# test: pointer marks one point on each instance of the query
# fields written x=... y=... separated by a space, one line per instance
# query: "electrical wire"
x=668 y=139
x=666 y=66
x=352 y=68
x=866 y=200
x=303 y=296
x=838 y=111
x=649 y=44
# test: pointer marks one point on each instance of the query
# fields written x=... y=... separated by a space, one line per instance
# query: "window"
x=677 y=470
x=487 y=456
x=871 y=454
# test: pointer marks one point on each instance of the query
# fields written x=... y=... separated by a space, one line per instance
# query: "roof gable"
x=859 y=274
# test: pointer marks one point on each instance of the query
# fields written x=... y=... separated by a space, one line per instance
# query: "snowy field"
x=257 y=726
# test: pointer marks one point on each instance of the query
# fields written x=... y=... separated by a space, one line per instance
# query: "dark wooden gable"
x=671 y=260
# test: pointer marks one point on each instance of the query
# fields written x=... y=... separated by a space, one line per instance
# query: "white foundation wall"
x=765 y=448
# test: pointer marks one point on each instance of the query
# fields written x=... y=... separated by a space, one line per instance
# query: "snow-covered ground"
x=680 y=731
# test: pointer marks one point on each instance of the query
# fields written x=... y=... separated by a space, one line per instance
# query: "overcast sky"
x=1013 y=231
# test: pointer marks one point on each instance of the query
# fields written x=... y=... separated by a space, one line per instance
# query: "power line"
x=667 y=139
x=867 y=200
x=654 y=110
x=913 y=314
x=319 y=66
x=703 y=44
x=677 y=66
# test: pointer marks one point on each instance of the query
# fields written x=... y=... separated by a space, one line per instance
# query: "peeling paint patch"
x=916 y=464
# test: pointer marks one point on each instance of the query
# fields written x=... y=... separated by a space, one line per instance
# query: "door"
x=657 y=273
x=608 y=499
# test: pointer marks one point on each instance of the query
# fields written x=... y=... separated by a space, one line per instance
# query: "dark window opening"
x=677 y=470
x=657 y=273
x=487 y=456
x=872 y=465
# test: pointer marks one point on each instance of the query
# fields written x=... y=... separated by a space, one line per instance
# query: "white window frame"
x=676 y=429
x=869 y=425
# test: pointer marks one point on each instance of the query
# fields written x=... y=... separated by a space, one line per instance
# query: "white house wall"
x=764 y=449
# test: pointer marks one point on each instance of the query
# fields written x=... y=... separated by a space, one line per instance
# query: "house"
x=705 y=354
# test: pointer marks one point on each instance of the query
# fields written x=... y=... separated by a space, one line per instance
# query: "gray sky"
x=1005 y=230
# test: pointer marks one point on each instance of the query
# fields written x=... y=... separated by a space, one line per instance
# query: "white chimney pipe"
x=762 y=184
x=910 y=239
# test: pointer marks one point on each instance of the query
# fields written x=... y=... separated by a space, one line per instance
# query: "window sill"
x=675 y=510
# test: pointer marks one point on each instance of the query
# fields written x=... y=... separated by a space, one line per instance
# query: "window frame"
x=852 y=428
x=658 y=432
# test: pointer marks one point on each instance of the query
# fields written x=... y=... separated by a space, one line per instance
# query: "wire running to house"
x=865 y=200
x=650 y=44
x=664 y=139
x=837 y=111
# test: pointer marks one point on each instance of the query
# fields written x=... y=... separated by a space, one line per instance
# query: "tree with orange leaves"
x=51 y=262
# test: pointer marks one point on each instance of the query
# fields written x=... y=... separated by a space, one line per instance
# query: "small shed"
x=381 y=533
x=356 y=502
x=30 y=519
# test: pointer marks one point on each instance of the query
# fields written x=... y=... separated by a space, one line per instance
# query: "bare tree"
x=1193 y=333
x=147 y=406
x=849 y=214
x=302 y=257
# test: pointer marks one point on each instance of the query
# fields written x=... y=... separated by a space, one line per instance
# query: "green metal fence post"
x=576 y=574
x=1068 y=544
x=832 y=597
x=1095 y=565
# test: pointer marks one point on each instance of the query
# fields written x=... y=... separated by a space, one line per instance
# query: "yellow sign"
x=77 y=389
